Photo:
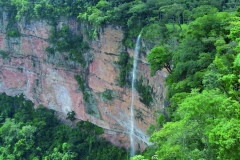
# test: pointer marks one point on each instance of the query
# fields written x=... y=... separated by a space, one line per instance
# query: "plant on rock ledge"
x=139 y=114
x=125 y=65
x=71 y=116
x=107 y=94
x=145 y=92
x=65 y=41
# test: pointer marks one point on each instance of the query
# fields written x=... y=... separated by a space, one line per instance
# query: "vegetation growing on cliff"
x=82 y=86
x=125 y=66
x=89 y=101
x=107 y=94
x=66 y=41
x=12 y=28
x=196 y=41
x=203 y=91
x=152 y=15
x=4 y=54
x=26 y=133
x=145 y=92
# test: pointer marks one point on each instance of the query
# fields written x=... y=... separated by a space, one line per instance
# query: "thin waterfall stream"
x=136 y=52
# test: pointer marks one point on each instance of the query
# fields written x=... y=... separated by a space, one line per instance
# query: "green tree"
x=203 y=10
x=198 y=131
x=23 y=6
x=138 y=157
x=71 y=116
x=66 y=154
x=159 y=58
x=17 y=141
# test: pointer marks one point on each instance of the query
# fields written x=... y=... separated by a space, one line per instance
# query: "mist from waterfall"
x=132 y=139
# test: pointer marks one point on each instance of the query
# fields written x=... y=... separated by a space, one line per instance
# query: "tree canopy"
x=203 y=91
x=26 y=133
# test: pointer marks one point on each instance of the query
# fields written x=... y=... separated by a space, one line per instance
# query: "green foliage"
x=19 y=139
x=191 y=135
x=61 y=155
x=83 y=87
x=155 y=32
x=71 y=116
x=125 y=65
x=8 y=105
x=90 y=128
x=44 y=9
x=138 y=157
x=139 y=115
x=176 y=99
x=12 y=28
x=204 y=121
x=159 y=58
x=196 y=52
x=203 y=10
x=65 y=41
x=29 y=134
x=81 y=82
x=102 y=12
x=107 y=94
x=145 y=92
x=87 y=95
x=198 y=45
x=91 y=33
x=161 y=120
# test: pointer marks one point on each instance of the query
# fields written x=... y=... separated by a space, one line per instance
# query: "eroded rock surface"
x=26 y=70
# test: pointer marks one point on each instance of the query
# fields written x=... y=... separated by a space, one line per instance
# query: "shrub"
x=145 y=92
x=107 y=94
x=125 y=65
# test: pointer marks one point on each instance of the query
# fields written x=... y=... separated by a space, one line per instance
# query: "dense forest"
x=29 y=134
x=196 y=41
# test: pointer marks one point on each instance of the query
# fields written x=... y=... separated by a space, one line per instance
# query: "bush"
x=65 y=41
x=4 y=54
x=70 y=116
x=139 y=114
x=145 y=92
x=125 y=65
x=107 y=94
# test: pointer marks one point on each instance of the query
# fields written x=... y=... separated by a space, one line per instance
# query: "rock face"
x=26 y=70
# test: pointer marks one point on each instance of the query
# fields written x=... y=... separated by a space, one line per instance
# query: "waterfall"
x=136 y=52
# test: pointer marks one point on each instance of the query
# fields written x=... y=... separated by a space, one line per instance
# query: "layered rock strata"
x=26 y=69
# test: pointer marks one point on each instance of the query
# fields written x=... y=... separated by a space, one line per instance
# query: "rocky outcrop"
x=26 y=69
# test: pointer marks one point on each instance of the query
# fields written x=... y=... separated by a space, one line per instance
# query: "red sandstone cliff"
x=28 y=70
